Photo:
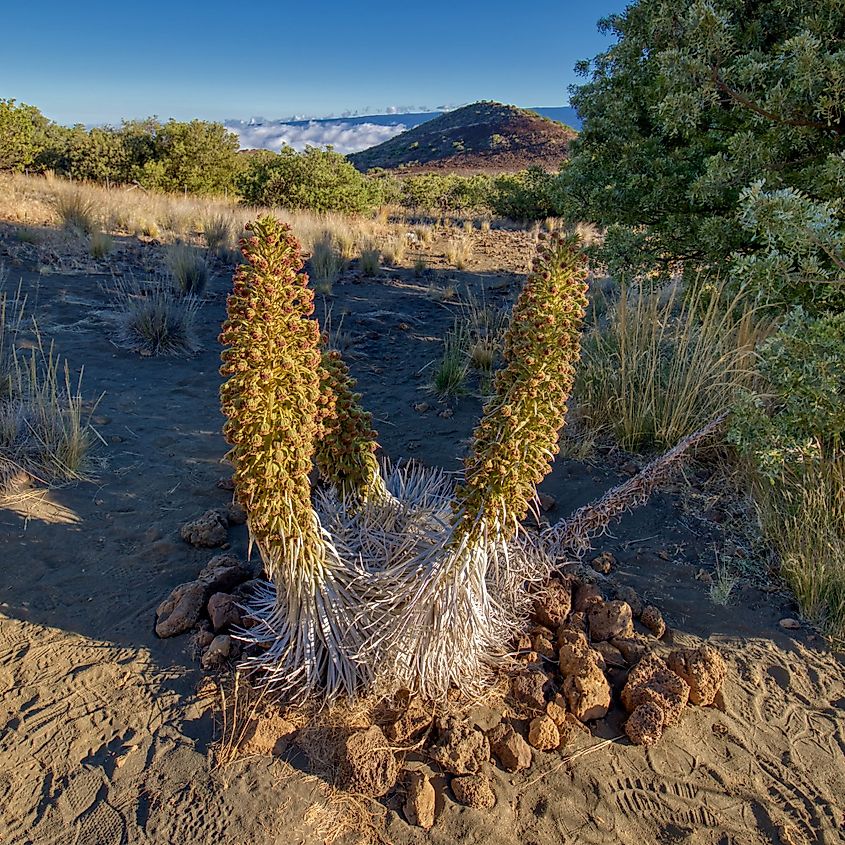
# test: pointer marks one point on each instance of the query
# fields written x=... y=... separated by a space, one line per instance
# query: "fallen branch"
x=574 y=535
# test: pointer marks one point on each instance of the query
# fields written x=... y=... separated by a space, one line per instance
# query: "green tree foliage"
x=697 y=101
x=316 y=179
x=96 y=155
x=22 y=135
x=198 y=157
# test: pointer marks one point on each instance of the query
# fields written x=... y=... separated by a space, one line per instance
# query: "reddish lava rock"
x=180 y=611
x=512 y=751
x=610 y=620
x=703 y=669
x=223 y=611
x=207 y=531
x=367 y=765
x=474 y=791
x=419 y=800
x=222 y=573
x=553 y=604
x=652 y=619
x=585 y=596
x=588 y=693
x=543 y=733
x=645 y=724
x=573 y=651
x=461 y=749
x=529 y=688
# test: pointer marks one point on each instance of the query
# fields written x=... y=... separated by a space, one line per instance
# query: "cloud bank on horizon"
x=345 y=137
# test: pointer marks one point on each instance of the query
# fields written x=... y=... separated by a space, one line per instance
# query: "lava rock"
x=367 y=765
x=645 y=724
x=556 y=710
x=633 y=649
x=222 y=573
x=603 y=563
x=474 y=791
x=703 y=669
x=217 y=652
x=552 y=606
x=512 y=751
x=207 y=531
x=223 y=611
x=410 y=722
x=585 y=596
x=529 y=688
x=611 y=655
x=180 y=611
x=652 y=618
x=419 y=800
x=203 y=639
x=666 y=690
x=236 y=514
x=543 y=646
x=543 y=733
x=547 y=502
x=610 y=620
x=629 y=594
x=460 y=749
x=574 y=652
x=587 y=694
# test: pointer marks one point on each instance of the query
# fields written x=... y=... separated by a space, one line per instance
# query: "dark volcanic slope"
x=482 y=137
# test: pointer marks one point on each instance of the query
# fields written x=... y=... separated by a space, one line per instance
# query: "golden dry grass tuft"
x=662 y=363
x=44 y=431
x=803 y=517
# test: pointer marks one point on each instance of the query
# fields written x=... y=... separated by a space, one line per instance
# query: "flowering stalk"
x=345 y=452
x=517 y=439
x=273 y=403
x=471 y=582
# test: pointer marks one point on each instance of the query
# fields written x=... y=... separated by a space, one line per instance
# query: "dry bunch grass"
x=43 y=427
x=803 y=517
x=459 y=252
x=152 y=318
x=663 y=363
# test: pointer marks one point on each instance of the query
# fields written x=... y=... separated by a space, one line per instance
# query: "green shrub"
x=528 y=195
x=22 y=130
x=691 y=103
x=799 y=415
x=317 y=180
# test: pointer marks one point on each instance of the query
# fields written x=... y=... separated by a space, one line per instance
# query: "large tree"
x=714 y=136
x=22 y=134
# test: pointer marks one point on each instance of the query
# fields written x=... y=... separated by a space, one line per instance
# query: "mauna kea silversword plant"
x=389 y=575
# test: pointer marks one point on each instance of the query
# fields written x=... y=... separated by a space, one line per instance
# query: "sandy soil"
x=104 y=739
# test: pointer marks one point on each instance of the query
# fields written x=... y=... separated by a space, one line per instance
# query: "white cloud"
x=344 y=137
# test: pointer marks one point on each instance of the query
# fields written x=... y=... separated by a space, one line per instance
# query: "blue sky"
x=95 y=62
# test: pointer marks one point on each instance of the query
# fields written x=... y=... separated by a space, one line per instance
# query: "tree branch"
x=720 y=83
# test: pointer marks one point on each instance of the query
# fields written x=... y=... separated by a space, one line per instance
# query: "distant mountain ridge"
x=481 y=137
x=351 y=134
